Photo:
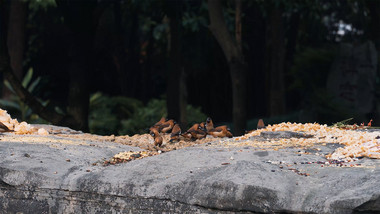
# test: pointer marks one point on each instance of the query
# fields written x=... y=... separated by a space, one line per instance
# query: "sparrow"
x=176 y=132
x=166 y=126
x=260 y=124
x=157 y=137
x=4 y=128
x=220 y=131
x=209 y=124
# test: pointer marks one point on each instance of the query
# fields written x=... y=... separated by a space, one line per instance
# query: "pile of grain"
x=19 y=128
x=357 y=143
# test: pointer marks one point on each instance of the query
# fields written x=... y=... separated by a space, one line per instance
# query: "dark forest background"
x=117 y=66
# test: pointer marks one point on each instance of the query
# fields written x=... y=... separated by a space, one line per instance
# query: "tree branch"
x=219 y=29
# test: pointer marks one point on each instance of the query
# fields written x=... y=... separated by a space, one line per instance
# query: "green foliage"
x=144 y=117
x=16 y=107
x=194 y=115
x=342 y=123
x=107 y=113
x=193 y=20
x=41 y=4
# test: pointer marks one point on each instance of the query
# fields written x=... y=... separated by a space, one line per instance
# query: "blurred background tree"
x=115 y=67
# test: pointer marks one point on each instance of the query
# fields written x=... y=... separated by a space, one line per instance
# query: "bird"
x=197 y=131
x=157 y=125
x=202 y=125
x=209 y=124
x=161 y=121
x=4 y=128
x=220 y=131
x=176 y=132
x=157 y=137
x=193 y=128
x=260 y=124
x=166 y=126
x=187 y=134
x=198 y=134
x=158 y=141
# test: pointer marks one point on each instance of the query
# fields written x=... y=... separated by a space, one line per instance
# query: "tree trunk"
x=78 y=99
x=183 y=98
x=238 y=25
x=292 y=38
x=175 y=63
x=239 y=96
x=16 y=35
x=16 y=39
x=235 y=59
x=275 y=47
x=81 y=19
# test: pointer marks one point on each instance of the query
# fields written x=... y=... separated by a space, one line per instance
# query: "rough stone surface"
x=55 y=177
x=284 y=134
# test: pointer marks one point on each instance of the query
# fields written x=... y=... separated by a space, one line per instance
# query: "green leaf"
x=34 y=84
x=27 y=78
x=8 y=85
x=9 y=104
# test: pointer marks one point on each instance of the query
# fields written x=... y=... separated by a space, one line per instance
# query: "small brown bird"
x=209 y=124
x=198 y=134
x=220 y=131
x=176 y=132
x=166 y=126
x=158 y=141
x=260 y=124
x=4 y=128
x=187 y=134
x=157 y=137
x=193 y=128
x=157 y=125
x=202 y=126
x=162 y=120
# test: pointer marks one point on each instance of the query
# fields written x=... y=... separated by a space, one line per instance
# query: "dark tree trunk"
x=81 y=19
x=16 y=39
x=235 y=60
x=175 y=63
x=275 y=53
x=132 y=69
x=78 y=99
x=16 y=35
x=292 y=36
x=119 y=56
x=183 y=98
x=239 y=96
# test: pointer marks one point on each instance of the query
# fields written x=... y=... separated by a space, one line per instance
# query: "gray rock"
x=284 y=134
x=201 y=179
